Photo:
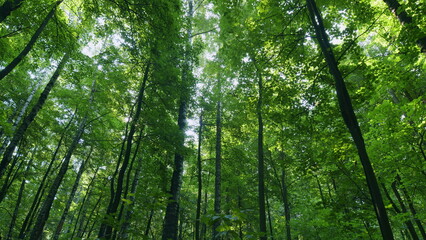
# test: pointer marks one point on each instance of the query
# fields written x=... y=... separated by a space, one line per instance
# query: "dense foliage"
x=220 y=119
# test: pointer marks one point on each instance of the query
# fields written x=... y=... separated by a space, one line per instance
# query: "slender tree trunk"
x=218 y=168
x=112 y=208
x=148 y=225
x=18 y=201
x=41 y=187
x=406 y=19
x=71 y=197
x=404 y=210
x=200 y=180
x=80 y=215
x=43 y=215
x=286 y=204
x=19 y=134
x=411 y=207
x=350 y=120
x=20 y=57
x=8 y=7
x=260 y=156
x=20 y=114
x=269 y=217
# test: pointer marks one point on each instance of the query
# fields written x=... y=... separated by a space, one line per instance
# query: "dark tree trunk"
x=406 y=19
x=286 y=205
x=170 y=229
x=218 y=168
x=71 y=197
x=30 y=44
x=41 y=187
x=409 y=224
x=200 y=180
x=260 y=156
x=112 y=208
x=171 y=218
x=18 y=201
x=8 y=7
x=350 y=120
x=19 y=134
x=43 y=215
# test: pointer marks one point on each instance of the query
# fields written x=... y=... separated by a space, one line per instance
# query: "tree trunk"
x=406 y=19
x=112 y=208
x=18 y=201
x=269 y=217
x=286 y=204
x=43 y=215
x=20 y=57
x=404 y=210
x=218 y=168
x=71 y=197
x=171 y=218
x=8 y=7
x=200 y=180
x=260 y=156
x=19 y=134
x=350 y=120
x=40 y=190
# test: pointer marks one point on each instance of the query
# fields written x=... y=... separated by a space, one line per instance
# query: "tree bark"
x=350 y=120
x=19 y=134
x=8 y=7
x=71 y=197
x=286 y=204
x=199 y=179
x=112 y=208
x=171 y=218
x=30 y=44
x=43 y=215
x=18 y=201
x=40 y=190
x=405 y=19
x=260 y=157
x=218 y=168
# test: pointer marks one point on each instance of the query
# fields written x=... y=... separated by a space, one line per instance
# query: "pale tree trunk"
x=350 y=120
x=21 y=114
x=30 y=44
x=19 y=134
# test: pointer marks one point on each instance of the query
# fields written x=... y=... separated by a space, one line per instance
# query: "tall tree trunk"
x=20 y=114
x=43 y=215
x=30 y=44
x=171 y=218
x=404 y=210
x=41 y=187
x=269 y=217
x=406 y=19
x=350 y=120
x=260 y=157
x=199 y=180
x=286 y=204
x=19 y=134
x=18 y=201
x=218 y=168
x=71 y=197
x=8 y=7
x=112 y=208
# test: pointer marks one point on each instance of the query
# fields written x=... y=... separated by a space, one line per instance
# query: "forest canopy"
x=212 y=119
